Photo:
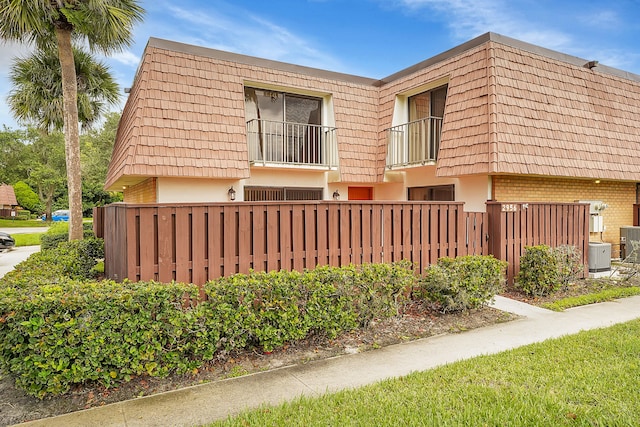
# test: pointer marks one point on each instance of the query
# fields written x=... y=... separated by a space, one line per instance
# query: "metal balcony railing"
x=414 y=143
x=285 y=143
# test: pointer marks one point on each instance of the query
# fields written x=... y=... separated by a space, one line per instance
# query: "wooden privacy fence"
x=199 y=242
x=514 y=226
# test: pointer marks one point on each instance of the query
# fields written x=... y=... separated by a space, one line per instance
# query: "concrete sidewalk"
x=201 y=404
x=9 y=259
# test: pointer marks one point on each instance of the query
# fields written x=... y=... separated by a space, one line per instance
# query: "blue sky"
x=372 y=38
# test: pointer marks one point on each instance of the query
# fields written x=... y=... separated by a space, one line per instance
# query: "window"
x=435 y=193
x=261 y=194
x=287 y=126
x=425 y=123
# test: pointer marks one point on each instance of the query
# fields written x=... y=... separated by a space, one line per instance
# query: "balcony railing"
x=284 y=143
x=414 y=143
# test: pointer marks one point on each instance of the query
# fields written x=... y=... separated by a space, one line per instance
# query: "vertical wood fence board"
x=230 y=237
x=443 y=232
x=416 y=243
x=133 y=244
x=298 y=233
x=273 y=238
x=259 y=234
x=310 y=236
x=397 y=233
x=356 y=234
x=147 y=246
x=198 y=250
x=166 y=266
x=345 y=234
x=387 y=236
x=434 y=237
x=367 y=242
x=323 y=234
x=334 y=235
x=376 y=233
x=183 y=245
x=215 y=243
x=245 y=238
x=285 y=237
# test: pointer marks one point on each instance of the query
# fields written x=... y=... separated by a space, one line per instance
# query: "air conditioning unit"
x=627 y=235
x=599 y=257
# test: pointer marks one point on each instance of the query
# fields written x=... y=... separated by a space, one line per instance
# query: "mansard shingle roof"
x=512 y=108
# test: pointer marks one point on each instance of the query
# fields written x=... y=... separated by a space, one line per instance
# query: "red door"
x=360 y=193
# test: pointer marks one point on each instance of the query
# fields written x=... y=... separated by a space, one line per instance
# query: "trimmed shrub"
x=462 y=283
x=545 y=270
x=59 y=232
x=67 y=260
x=53 y=336
x=26 y=197
x=56 y=331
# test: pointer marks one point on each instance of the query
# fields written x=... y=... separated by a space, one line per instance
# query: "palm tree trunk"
x=71 y=132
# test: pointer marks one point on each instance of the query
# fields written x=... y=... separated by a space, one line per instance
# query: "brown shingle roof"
x=7 y=195
x=512 y=108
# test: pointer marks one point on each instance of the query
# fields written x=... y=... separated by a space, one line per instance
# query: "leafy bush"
x=59 y=232
x=570 y=265
x=56 y=331
x=463 y=283
x=57 y=335
x=68 y=260
x=26 y=197
x=544 y=270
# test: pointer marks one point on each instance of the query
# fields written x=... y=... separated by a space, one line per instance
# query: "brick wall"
x=144 y=192
x=620 y=196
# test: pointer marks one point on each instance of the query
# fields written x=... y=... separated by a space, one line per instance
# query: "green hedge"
x=68 y=260
x=58 y=329
x=59 y=232
x=462 y=283
x=53 y=335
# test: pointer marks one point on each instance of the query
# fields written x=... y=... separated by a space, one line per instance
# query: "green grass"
x=605 y=295
x=27 y=239
x=586 y=379
x=22 y=223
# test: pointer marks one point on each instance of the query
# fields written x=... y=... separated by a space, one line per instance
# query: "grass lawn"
x=580 y=380
x=27 y=239
x=5 y=223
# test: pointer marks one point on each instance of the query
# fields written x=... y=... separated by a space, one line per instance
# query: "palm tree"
x=105 y=25
x=37 y=96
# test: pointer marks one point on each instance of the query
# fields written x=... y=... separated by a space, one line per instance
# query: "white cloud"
x=468 y=19
x=238 y=30
x=126 y=57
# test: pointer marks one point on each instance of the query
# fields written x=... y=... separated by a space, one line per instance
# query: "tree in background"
x=13 y=155
x=96 y=147
x=26 y=197
x=46 y=167
x=105 y=24
x=37 y=97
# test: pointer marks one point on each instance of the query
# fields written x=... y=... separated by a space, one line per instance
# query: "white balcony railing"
x=414 y=143
x=285 y=143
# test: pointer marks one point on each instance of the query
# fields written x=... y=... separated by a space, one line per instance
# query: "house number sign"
x=509 y=207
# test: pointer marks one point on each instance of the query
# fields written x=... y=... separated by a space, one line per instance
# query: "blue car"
x=59 y=215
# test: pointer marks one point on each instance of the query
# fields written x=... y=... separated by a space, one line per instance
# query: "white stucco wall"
x=473 y=190
x=193 y=190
